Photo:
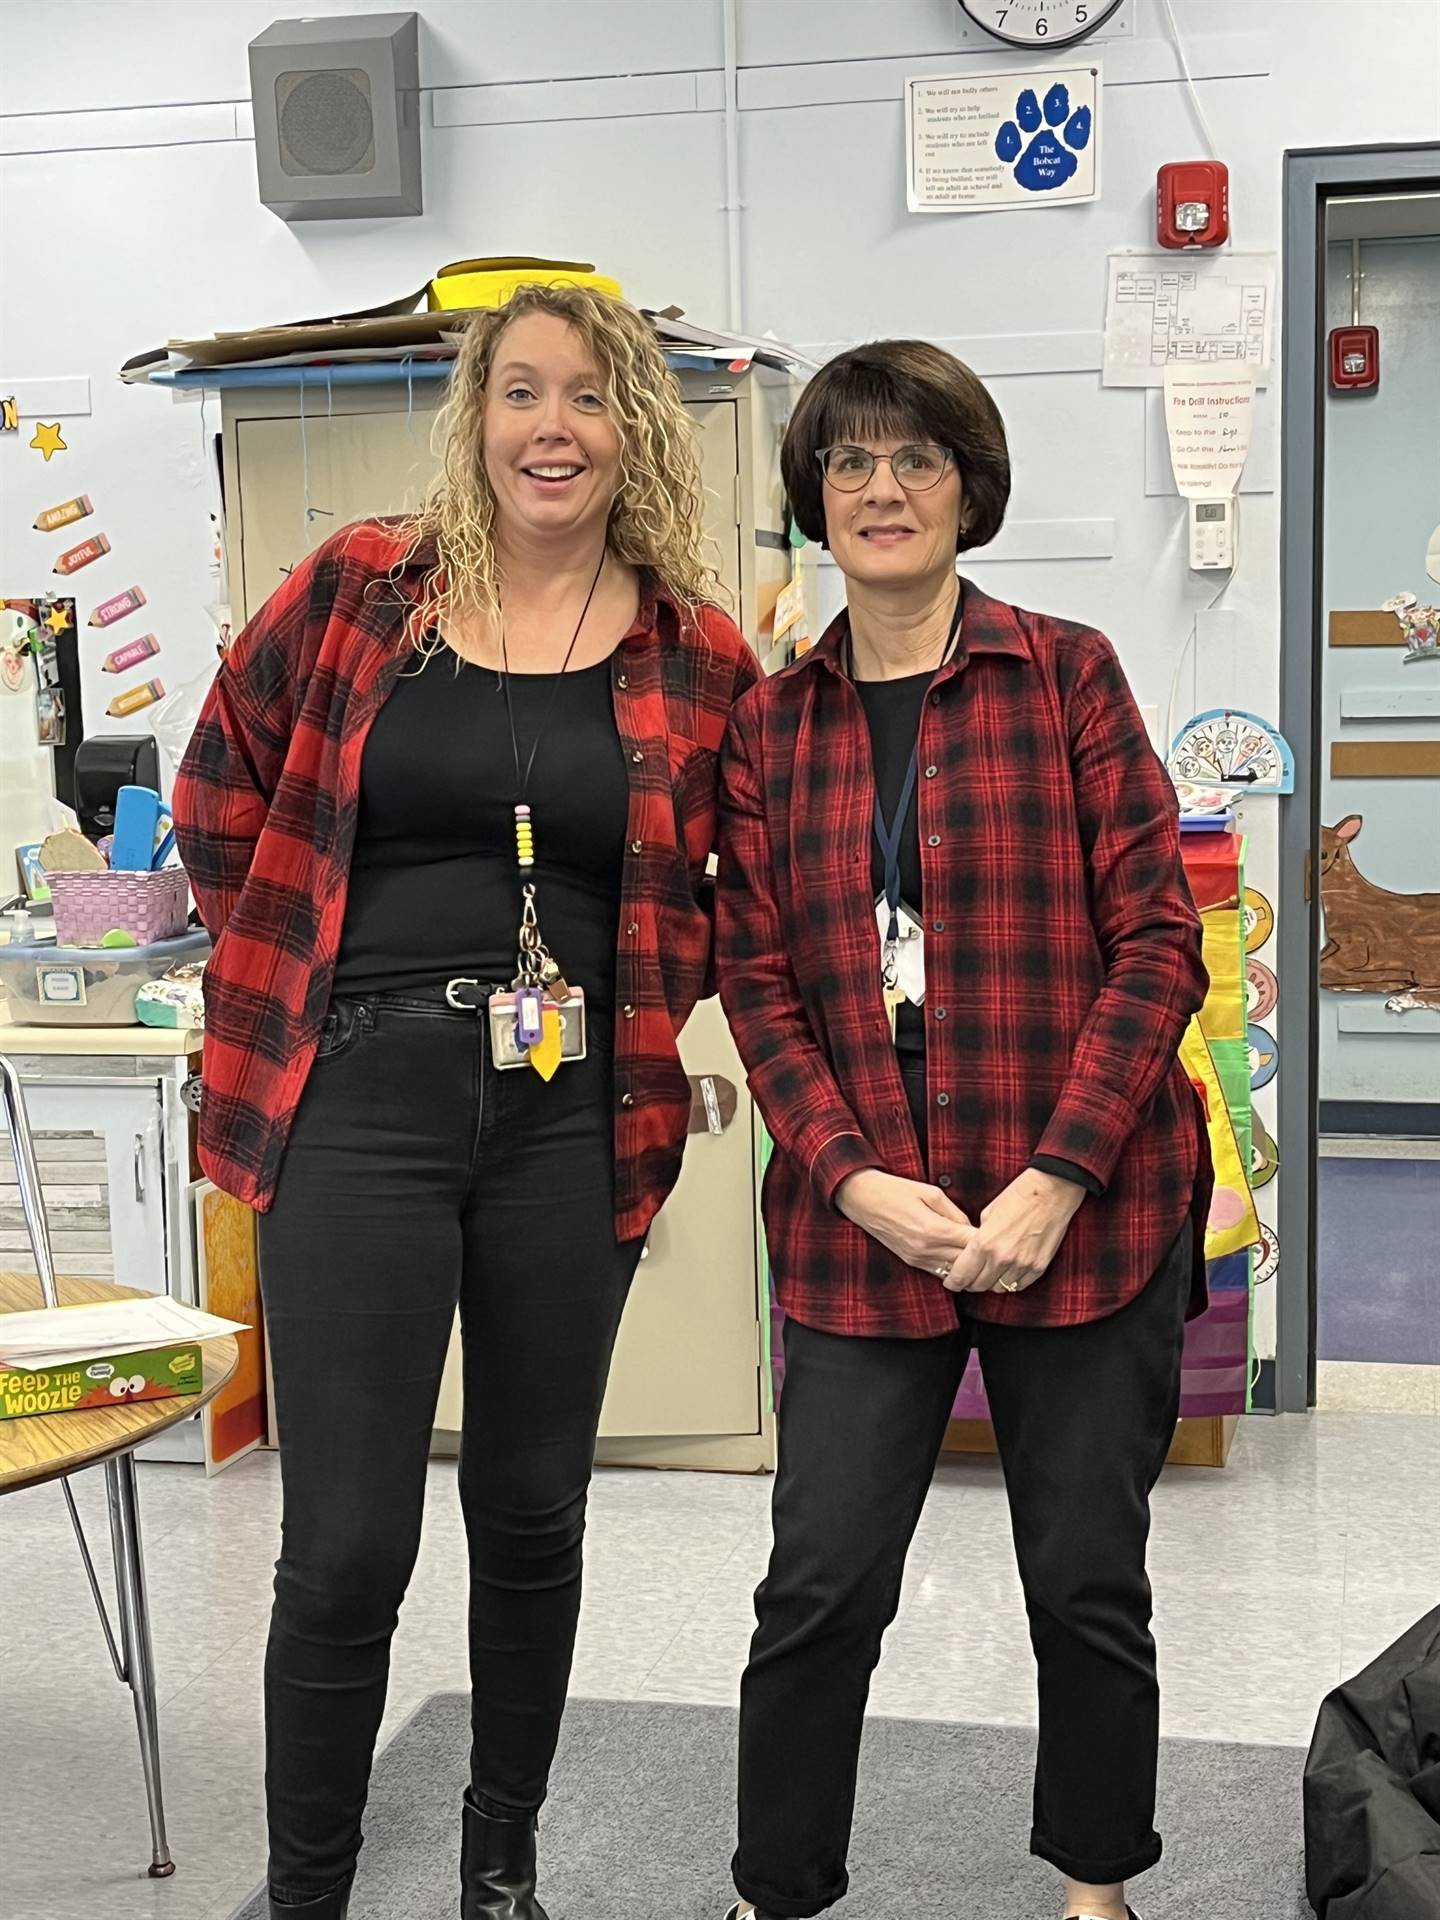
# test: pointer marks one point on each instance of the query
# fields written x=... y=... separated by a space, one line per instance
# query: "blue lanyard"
x=888 y=838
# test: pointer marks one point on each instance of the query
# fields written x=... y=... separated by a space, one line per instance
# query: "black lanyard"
x=888 y=837
x=522 y=775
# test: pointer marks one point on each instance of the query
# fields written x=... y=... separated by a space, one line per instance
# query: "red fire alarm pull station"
x=1354 y=350
x=1192 y=203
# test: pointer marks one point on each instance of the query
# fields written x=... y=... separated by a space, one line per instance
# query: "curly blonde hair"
x=657 y=518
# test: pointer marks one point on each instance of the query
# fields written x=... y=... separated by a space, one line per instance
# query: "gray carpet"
x=640 y=1824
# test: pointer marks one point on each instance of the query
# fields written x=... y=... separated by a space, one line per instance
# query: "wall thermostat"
x=1212 y=534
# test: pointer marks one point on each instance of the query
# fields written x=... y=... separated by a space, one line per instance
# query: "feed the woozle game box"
x=103 y=1353
x=107 y=1382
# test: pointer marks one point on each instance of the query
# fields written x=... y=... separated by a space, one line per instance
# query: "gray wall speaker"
x=337 y=116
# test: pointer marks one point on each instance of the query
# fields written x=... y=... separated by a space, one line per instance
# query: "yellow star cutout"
x=57 y=619
x=47 y=439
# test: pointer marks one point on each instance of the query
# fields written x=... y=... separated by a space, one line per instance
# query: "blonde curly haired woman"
x=352 y=812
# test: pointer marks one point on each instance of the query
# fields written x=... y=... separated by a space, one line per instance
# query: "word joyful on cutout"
x=47 y=439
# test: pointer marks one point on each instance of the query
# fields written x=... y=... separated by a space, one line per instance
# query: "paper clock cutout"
x=1259 y=917
x=1268 y=1263
x=1264 y=1155
x=1232 y=749
x=1262 y=989
x=1264 y=1056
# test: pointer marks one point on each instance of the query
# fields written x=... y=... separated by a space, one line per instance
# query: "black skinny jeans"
x=1083 y=1420
x=418 y=1178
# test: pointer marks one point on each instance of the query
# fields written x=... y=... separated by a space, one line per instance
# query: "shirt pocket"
x=694 y=786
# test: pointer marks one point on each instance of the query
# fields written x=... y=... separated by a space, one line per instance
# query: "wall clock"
x=1040 y=23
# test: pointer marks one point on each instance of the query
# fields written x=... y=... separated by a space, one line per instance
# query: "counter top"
x=76 y=1042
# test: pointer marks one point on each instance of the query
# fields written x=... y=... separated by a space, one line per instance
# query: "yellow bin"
x=490 y=283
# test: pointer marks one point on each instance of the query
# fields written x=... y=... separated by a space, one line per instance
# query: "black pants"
x=418 y=1177
x=1083 y=1420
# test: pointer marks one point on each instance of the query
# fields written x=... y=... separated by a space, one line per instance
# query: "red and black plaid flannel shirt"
x=1062 y=964
x=266 y=807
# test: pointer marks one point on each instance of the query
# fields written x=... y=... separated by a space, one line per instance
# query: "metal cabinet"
x=689 y=1386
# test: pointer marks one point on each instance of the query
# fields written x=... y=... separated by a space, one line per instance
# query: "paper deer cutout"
x=1375 y=941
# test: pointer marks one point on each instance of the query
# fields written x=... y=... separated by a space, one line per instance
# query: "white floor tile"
x=1295 y=1564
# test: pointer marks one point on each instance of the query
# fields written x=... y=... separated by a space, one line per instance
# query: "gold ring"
x=1009 y=1286
x=944 y=1272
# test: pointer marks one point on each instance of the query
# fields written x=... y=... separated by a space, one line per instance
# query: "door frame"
x=1313 y=177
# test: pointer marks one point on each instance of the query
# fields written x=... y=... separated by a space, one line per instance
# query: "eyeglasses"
x=917 y=468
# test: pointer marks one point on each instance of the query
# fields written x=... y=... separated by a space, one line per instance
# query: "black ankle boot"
x=497 y=1867
x=329 y=1906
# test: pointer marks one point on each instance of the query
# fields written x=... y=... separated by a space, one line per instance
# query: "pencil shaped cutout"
x=131 y=654
x=53 y=518
x=74 y=558
x=134 y=698
x=109 y=611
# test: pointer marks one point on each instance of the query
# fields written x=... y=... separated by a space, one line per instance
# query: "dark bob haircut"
x=912 y=390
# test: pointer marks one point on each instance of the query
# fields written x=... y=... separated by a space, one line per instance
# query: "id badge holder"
x=902 y=968
x=505 y=1009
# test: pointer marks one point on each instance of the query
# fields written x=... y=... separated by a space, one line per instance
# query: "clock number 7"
x=1000 y=14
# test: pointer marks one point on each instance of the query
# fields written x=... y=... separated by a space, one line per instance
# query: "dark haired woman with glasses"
x=958 y=954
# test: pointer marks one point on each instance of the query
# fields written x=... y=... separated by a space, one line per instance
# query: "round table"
x=52 y=1446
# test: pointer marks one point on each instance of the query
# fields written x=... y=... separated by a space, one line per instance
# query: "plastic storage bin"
x=52 y=986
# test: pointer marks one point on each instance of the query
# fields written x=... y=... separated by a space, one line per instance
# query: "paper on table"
x=59 y=1336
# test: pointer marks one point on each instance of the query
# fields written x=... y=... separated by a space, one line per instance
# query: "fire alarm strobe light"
x=1192 y=204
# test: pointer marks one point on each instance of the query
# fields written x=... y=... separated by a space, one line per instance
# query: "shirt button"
x=930 y=772
x=945 y=1181
x=934 y=699
x=627 y=1099
x=637 y=756
x=933 y=841
x=937 y=926
x=637 y=846
x=632 y=929
x=939 y=1013
x=942 y=1099
x=629 y=1013
x=622 y=679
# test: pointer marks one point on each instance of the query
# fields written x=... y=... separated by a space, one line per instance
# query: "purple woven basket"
x=150 y=906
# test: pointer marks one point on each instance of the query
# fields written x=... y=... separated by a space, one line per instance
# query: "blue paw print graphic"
x=1047 y=160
